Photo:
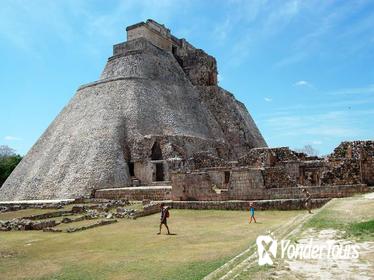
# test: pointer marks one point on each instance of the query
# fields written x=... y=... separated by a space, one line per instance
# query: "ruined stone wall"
x=280 y=204
x=292 y=169
x=205 y=159
x=277 y=177
x=135 y=193
x=310 y=172
x=258 y=157
x=201 y=68
x=246 y=183
x=354 y=150
x=368 y=171
x=342 y=172
x=144 y=171
x=194 y=186
x=264 y=156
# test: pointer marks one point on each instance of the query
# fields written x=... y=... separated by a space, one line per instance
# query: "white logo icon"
x=264 y=250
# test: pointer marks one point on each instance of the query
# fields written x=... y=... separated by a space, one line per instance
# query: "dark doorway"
x=156 y=151
x=159 y=171
x=227 y=177
x=131 y=169
x=174 y=50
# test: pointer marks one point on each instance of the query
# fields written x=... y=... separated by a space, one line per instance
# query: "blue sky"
x=304 y=69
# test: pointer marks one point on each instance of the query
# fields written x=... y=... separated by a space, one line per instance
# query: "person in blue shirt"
x=252 y=212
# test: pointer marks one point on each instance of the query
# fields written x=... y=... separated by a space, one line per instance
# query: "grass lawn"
x=23 y=213
x=130 y=249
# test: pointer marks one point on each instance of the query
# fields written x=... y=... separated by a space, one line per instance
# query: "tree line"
x=8 y=161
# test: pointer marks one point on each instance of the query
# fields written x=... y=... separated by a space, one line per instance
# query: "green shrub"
x=7 y=165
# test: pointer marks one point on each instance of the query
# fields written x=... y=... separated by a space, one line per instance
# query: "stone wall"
x=277 y=177
x=277 y=204
x=246 y=183
x=316 y=191
x=342 y=172
x=195 y=186
x=367 y=166
x=260 y=157
x=354 y=150
x=135 y=193
x=205 y=159
x=250 y=184
x=201 y=68
x=156 y=33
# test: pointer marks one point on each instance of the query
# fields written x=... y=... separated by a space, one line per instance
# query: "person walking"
x=252 y=213
x=308 y=197
x=164 y=216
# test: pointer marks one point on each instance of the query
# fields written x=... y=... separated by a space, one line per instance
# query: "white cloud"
x=268 y=99
x=317 y=142
x=302 y=83
x=12 y=138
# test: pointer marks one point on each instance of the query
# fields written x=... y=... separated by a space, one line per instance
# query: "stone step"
x=50 y=201
x=161 y=183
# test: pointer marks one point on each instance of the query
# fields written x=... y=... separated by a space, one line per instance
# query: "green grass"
x=326 y=219
x=24 y=213
x=78 y=224
x=353 y=215
x=363 y=230
x=260 y=272
x=130 y=249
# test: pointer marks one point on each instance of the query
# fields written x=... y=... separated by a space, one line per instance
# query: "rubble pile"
x=205 y=160
x=354 y=150
x=24 y=224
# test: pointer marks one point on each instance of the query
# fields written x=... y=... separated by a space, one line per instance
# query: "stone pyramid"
x=157 y=102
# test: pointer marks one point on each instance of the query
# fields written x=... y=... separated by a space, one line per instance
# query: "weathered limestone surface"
x=136 y=193
x=274 y=204
x=145 y=94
